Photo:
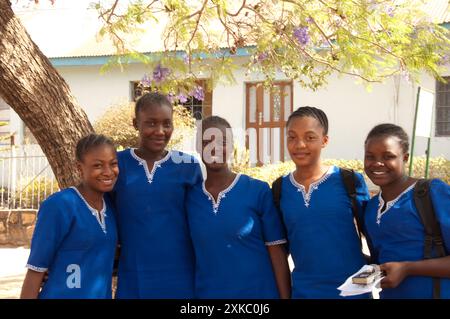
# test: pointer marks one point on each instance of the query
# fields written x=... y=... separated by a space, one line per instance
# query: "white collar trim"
x=390 y=203
x=314 y=185
x=96 y=213
x=221 y=195
x=156 y=164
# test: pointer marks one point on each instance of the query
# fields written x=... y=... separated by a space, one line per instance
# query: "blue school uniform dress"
x=76 y=244
x=157 y=257
x=323 y=241
x=230 y=237
x=397 y=234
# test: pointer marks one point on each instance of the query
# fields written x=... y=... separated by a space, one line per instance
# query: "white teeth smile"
x=378 y=173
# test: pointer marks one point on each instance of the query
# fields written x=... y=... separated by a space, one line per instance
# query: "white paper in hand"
x=348 y=288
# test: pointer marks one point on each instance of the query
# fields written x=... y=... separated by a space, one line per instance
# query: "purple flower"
x=186 y=58
x=445 y=59
x=160 y=73
x=198 y=93
x=301 y=35
x=171 y=97
x=182 y=98
x=145 y=81
x=406 y=75
x=262 y=56
x=309 y=20
x=390 y=11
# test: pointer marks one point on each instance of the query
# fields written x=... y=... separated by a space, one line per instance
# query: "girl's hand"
x=395 y=272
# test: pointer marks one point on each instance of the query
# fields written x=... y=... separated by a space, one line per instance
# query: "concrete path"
x=12 y=271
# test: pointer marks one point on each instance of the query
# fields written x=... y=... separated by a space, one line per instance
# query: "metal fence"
x=26 y=179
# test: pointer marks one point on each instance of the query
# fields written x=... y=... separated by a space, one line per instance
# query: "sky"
x=58 y=28
x=45 y=5
x=70 y=28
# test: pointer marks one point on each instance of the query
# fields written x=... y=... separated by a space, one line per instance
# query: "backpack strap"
x=348 y=177
x=433 y=235
x=276 y=192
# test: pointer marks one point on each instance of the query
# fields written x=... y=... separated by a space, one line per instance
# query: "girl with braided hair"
x=75 y=236
x=317 y=211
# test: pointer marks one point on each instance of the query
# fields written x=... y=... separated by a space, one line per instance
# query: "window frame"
x=206 y=104
x=442 y=88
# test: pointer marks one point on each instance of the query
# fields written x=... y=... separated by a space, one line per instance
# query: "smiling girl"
x=235 y=227
x=157 y=258
x=75 y=235
x=393 y=223
x=317 y=211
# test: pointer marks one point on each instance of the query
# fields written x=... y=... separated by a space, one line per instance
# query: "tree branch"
x=237 y=13
x=199 y=12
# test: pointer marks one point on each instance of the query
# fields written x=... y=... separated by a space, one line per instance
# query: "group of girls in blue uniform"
x=184 y=236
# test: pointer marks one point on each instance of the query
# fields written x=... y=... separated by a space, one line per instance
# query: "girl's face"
x=155 y=126
x=99 y=169
x=305 y=140
x=384 y=160
x=217 y=145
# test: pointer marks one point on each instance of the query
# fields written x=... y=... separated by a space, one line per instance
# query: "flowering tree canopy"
x=306 y=40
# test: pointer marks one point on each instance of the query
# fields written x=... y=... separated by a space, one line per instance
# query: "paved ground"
x=12 y=271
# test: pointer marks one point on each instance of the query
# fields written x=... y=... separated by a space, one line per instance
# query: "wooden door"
x=266 y=114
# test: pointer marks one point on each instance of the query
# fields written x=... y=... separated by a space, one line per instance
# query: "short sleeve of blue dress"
x=273 y=230
x=75 y=245
x=397 y=234
x=157 y=258
x=52 y=225
x=230 y=235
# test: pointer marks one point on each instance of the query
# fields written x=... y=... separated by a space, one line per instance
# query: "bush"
x=117 y=123
x=439 y=167
x=31 y=193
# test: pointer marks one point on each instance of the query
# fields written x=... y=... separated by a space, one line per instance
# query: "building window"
x=443 y=108
x=198 y=109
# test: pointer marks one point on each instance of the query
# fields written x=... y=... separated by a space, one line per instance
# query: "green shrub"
x=117 y=123
x=30 y=194
x=439 y=167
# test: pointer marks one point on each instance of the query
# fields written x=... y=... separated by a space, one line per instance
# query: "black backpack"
x=423 y=203
x=348 y=177
x=433 y=235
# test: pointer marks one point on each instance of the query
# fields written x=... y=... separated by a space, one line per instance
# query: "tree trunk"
x=40 y=96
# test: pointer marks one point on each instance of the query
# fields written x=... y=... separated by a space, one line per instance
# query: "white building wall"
x=351 y=108
x=97 y=92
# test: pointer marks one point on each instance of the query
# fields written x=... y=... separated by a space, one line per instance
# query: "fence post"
x=13 y=174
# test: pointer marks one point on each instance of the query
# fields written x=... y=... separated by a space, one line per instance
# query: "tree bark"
x=40 y=96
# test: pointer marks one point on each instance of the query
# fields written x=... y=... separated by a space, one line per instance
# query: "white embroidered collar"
x=314 y=185
x=221 y=195
x=100 y=216
x=156 y=164
x=390 y=203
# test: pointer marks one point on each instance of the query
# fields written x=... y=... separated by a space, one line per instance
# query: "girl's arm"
x=436 y=267
x=32 y=284
x=396 y=272
x=281 y=270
